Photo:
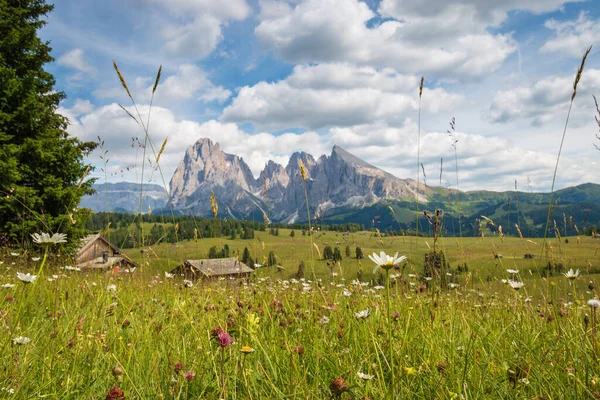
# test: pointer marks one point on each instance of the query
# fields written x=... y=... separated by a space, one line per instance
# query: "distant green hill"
x=577 y=207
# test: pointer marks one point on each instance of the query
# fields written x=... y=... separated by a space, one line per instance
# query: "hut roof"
x=90 y=239
x=219 y=266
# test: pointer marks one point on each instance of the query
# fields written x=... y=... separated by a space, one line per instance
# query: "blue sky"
x=265 y=78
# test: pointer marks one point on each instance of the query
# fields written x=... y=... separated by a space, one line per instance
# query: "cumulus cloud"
x=190 y=82
x=192 y=29
x=572 y=37
x=451 y=43
x=323 y=95
x=546 y=100
x=75 y=59
x=483 y=162
x=464 y=15
x=122 y=138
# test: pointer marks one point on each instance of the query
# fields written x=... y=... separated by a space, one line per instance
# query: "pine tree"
x=327 y=253
x=337 y=254
x=40 y=164
x=292 y=233
x=300 y=273
x=348 y=252
x=359 y=253
x=246 y=256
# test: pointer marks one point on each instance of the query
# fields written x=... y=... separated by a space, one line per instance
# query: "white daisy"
x=365 y=376
x=386 y=262
x=516 y=284
x=21 y=340
x=45 y=238
x=571 y=274
x=26 y=278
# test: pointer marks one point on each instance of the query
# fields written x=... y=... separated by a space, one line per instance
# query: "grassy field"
x=477 y=253
x=73 y=335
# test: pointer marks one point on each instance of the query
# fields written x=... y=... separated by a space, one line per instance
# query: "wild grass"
x=151 y=332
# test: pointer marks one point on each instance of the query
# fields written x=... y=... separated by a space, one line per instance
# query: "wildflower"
x=365 y=376
x=324 y=320
x=115 y=394
x=224 y=339
x=70 y=268
x=189 y=375
x=14 y=254
x=516 y=284
x=26 y=278
x=338 y=386
x=216 y=332
x=409 y=371
x=8 y=285
x=46 y=239
x=187 y=283
x=35 y=259
x=571 y=274
x=21 y=340
x=169 y=276
x=386 y=262
x=363 y=314
x=257 y=266
x=178 y=367
x=252 y=320
x=118 y=373
x=111 y=288
x=594 y=303
x=247 y=350
x=378 y=287
x=512 y=271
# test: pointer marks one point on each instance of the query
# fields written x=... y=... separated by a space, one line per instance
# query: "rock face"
x=338 y=180
x=204 y=169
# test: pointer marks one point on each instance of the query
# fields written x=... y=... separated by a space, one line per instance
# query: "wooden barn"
x=97 y=253
x=212 y=268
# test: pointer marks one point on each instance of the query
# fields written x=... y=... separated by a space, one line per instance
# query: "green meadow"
x=77 y=334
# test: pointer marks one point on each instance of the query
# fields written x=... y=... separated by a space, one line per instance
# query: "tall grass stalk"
x=419 y=156
x=551 y=197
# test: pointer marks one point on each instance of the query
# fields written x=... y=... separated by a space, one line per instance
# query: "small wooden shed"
x=96 y=252
x=212 y=268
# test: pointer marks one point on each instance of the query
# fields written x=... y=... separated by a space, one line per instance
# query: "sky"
x=266 y=78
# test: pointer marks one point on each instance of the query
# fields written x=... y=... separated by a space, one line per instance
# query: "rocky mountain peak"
x=338 y=180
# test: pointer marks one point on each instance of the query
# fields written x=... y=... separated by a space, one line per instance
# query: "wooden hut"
x=97 y=253
x=212 y=268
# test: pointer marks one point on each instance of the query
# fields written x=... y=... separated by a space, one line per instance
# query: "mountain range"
x=340 y=188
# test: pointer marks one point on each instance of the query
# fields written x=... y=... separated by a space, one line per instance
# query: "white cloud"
x=75 y=59
x=547 y=100
x=445 y=44
x=192 y=29
x=188 y=83
x=572 y=37
x=313 y=97
x=119 y=131
x=464 y=15
x=483 y=162
x=230 y=9
x=195 y=39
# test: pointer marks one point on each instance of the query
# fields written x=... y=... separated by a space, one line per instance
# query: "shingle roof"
x=219 y=266
x=89 y=239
